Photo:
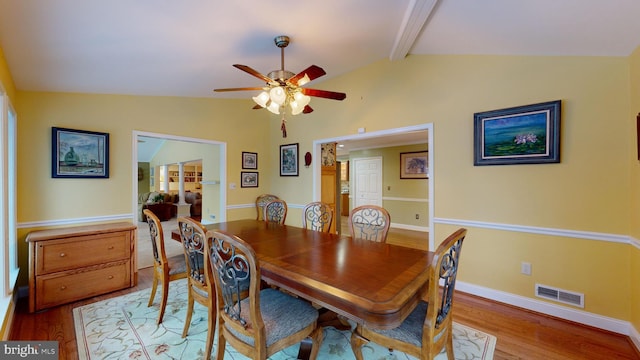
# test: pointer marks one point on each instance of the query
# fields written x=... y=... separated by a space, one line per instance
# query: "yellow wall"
x=634 y=214
x=587 y=192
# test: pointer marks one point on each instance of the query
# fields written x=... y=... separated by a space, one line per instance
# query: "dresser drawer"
x=64 y=254
x=70 y=286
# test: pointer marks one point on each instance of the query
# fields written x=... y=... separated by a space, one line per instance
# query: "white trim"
x=589 y=235
x=575 y=315
x=392 y=198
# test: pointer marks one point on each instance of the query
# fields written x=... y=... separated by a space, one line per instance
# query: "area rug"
x=125 y=328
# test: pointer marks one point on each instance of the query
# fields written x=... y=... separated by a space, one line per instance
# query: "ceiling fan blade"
x=313 y=72
x=255 y=73
x=307 y=109
x=238 y=89
x=324 y=94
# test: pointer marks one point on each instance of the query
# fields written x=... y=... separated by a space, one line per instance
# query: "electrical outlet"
x=525 y=268
x=417 y=216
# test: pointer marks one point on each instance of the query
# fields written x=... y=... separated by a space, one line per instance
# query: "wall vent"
x=559 y=295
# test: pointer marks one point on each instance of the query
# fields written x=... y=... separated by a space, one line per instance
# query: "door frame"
x=316 y=151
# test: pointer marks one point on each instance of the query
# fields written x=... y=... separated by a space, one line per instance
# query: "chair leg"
x=211 y=329
x=356 y=345
x=165 y=297
x=187 y=321
x=316 y=338
x=154 y=286
x=449 y=348
x=222 y=343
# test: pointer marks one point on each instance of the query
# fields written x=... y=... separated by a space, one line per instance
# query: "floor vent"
x=559 y=295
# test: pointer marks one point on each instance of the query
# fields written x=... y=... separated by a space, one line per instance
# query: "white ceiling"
x=187 y=48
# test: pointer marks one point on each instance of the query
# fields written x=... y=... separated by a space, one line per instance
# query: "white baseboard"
x=559 y=311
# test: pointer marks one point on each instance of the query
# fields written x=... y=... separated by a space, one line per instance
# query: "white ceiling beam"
x=418 y=11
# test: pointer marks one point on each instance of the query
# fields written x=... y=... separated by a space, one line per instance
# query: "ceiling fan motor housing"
x=280 y=75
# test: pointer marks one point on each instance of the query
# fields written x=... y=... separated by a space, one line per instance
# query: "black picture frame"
x=79 y=154
x=289 y=160
x=248 y=179
x=527 y=134
x=249 y=160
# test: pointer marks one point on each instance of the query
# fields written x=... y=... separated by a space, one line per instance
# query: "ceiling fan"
x=284 y=88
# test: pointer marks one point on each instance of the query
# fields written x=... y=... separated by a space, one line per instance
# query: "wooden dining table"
x=371 y=283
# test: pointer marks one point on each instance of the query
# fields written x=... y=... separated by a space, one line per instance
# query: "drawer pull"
x=110 y=247
x=63 y=254
x=110 y=277
x=63 y=287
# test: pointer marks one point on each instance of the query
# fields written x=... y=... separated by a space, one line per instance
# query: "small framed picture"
x=248 y=179
x=79 y=154
x=414 y=165
x=289 y=160
x=249 y=160
x=527 y=134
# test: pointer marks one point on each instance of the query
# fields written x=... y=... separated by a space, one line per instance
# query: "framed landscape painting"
x=289 y=160
x=79 y=154
x=527 y=134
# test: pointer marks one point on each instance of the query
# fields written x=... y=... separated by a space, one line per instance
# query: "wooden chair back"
x=437 y=327
x=193 y=236
x=261 y=201
x=369 y=222
x=275 y=211
x=317 y=216
x=235 y=273
x=424 y=339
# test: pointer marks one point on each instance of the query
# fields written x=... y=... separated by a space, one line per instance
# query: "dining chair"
x=275 y=211
x=261 y=201
x=165 y=269
x=267 y=320
x=317 y=216
x=369 y=222
x=193 y=237
x=428 y=328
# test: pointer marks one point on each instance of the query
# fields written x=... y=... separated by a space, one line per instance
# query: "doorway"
x=426 y=135
x=212 y=181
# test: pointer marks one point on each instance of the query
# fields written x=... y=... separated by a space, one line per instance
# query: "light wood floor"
x=521 y=334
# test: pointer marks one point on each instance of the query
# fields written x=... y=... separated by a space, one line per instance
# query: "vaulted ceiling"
x=187 y=48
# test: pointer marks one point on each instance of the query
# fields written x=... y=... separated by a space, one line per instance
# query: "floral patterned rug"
x=125 y=328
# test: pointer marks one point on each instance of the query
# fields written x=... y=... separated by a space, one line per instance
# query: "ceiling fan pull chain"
x=283 y=127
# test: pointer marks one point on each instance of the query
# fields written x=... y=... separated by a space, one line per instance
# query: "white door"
x=368 y=185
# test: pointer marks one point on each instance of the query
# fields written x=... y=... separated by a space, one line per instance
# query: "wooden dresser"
x=73 y=263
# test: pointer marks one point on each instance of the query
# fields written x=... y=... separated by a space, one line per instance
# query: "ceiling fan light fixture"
x=278 y=95
x=274 y=107
x=261 y=99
